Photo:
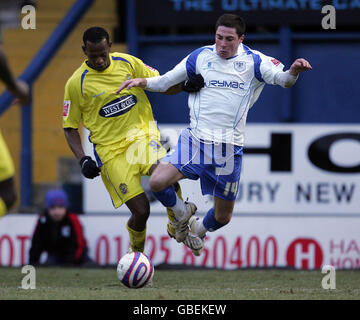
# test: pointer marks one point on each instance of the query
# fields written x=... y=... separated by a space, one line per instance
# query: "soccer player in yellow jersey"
x=122 y=129
x=7 y=182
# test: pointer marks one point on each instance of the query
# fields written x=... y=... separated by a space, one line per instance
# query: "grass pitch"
x=72 y=283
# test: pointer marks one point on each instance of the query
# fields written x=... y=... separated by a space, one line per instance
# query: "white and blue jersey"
x=217 y=113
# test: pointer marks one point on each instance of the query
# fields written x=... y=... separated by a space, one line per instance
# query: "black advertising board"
x=255 y=12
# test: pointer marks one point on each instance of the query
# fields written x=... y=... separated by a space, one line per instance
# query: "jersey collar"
x=107 y=70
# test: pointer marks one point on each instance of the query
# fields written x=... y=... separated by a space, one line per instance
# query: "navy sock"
x=210 y=222
x=167 y=196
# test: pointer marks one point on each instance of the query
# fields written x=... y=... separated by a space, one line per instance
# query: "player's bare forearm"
x=74 y=141
x=174 y=89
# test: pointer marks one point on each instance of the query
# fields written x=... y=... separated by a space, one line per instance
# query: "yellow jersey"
x=114 y=121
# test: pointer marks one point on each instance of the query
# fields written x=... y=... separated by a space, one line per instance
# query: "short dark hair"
x=232 y=21
x=95 y=35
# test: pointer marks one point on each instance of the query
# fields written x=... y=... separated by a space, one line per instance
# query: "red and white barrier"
x=300 y=242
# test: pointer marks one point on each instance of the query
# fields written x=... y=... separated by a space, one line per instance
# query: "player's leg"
x=157 y=152
x=162 y=184
x=191 y=241
x=222 y=182
x=123 y=182
x=216 y=218
x=136 y=225
x=170 y=212
x=175 y=166
x=7 y=195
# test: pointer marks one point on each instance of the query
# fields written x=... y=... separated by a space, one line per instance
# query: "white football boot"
x=195 y=243
x=192 y=241
x=181 y=227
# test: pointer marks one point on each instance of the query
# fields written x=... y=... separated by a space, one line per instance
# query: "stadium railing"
x=30 y=75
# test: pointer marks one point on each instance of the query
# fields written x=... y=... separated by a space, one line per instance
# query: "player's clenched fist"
x=299 y=65
x=128 y=84
x=89 y=168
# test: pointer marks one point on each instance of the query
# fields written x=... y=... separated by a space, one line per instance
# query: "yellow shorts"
x=7 y=169
x=122 y=174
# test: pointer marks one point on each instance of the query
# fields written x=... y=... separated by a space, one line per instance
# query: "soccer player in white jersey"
x=212 y=148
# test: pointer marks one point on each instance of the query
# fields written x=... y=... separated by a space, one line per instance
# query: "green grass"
x=57 y=283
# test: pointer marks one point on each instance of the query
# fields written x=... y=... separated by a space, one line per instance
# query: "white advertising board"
x=300 y=242
x=287 y=169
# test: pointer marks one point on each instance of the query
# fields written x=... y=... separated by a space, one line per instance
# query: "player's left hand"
x=299 y=65
x=89 y=168
x=128 y=84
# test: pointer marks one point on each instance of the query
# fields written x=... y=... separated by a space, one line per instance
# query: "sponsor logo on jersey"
x=224 y=84
x=118 y=106
x=275 y=61
x=98 y=95
x=239 y=66
x=66 y=108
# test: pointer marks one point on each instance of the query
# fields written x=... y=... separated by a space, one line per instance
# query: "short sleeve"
x=142 y=70
x=269 y=67
x=71 y=108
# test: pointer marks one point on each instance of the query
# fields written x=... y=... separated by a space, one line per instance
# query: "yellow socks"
x=171 y=214
x=3 y=208
x=137 y=239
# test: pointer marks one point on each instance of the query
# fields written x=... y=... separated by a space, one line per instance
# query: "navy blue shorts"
x=217 y=165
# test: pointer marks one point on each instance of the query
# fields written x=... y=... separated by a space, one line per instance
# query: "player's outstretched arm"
x=162 y=83
x=299 y=65
x=88 y=166
x=288 y=78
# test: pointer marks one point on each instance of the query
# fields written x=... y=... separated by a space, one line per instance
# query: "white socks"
x=198 y=227
x=179 y=209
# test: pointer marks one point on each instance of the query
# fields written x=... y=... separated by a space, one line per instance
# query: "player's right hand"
x=194 y=84
x=128 y=84
x=89 y=168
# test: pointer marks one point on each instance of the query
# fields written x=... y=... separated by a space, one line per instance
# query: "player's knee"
x=142 y=214
x=156 y=184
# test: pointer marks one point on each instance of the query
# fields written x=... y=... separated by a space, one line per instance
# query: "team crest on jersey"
x=123 y=188
x=239 y=66
x=66 y=108
x=208 y=65
x=118 y=106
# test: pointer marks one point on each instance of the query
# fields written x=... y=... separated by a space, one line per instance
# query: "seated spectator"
x=59 y=233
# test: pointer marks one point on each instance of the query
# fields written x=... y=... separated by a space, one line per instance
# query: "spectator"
x=59 y=233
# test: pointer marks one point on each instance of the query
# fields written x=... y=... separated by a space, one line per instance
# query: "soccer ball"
x=135 y=270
